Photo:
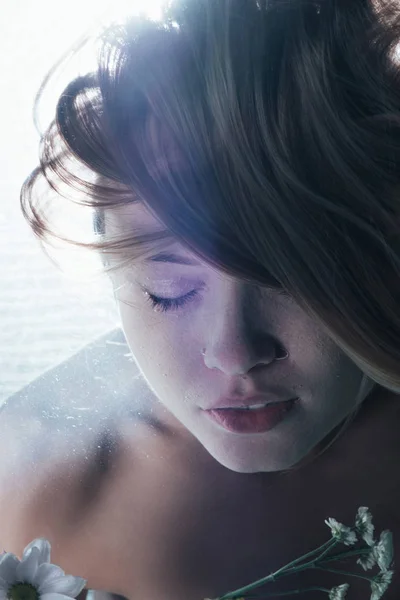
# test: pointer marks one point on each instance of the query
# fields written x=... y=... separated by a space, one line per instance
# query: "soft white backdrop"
x=45 y=316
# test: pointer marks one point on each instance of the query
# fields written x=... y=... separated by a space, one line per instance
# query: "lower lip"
x=252 y=421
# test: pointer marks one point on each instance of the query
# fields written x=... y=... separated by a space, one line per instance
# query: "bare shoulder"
x=61 y=448
x=56 y=501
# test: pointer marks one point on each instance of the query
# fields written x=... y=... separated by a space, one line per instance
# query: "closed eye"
x=165 y=304
x=161 y=304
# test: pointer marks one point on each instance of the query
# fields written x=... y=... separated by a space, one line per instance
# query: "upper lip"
x=243 y=401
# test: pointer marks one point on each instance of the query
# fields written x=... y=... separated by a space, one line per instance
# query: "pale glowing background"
x=45 y=317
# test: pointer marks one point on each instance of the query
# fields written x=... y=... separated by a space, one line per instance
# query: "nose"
x=233 y=344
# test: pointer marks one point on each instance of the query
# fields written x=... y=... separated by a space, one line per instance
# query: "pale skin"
x=201 y=512
x=215 y=336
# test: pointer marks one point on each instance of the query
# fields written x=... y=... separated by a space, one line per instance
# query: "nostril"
x=282 y=355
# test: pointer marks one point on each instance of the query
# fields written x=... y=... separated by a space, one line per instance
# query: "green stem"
x=347 y=554
x=343 y=573
x=327 y=550
x=327 y=546
x=330 y=559
x=310 y=563
x=274 y=594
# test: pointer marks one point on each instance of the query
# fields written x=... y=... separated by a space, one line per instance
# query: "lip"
x=252 y=421
x=243 y=401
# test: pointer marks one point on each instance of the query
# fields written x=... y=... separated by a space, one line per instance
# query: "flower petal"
x=341 y=532
x=54 y=596
x=383 y=550
x=364 y=525
x=380 y=583
x=339 y=592
x=367 y=561
x=8 y=567
x=44 y=548
x=45 y=573
x=4 y=586
x=67 y=585
x=26 y=570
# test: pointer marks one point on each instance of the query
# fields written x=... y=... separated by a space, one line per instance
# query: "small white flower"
x=341 y=532
x=34 y=577
x=364 y=525
x=380 y=584
x=367 y=561
x=383 y=550
x=339 y=592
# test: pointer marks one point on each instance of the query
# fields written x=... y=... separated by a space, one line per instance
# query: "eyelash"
x=167 y=304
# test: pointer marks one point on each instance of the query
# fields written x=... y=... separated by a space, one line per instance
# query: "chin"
x=250 y=464
x=251 y=468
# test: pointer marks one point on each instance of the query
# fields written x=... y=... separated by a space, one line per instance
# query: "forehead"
x=131 y=219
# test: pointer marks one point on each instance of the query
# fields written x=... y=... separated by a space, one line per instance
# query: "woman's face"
x=201 y=338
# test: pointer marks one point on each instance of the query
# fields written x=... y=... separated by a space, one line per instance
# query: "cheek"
x=159 y=343
x=337 y=387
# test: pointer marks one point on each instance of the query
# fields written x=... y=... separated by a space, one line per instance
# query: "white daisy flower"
x=380 y=584
x=367 y=561
x=339 y=592
x=341 y=532
x=364 y=525
x=34 y=577
x=383 y=550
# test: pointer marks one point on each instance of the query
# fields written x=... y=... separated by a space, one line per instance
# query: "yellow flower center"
x=22 y=591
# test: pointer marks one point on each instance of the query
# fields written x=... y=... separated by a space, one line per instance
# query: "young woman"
x=242 y=162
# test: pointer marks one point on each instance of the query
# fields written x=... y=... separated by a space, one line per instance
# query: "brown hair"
x=265 y=136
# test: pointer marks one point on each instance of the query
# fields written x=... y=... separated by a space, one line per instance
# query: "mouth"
x=254 y=418
x=254 y=406
x=252 y=403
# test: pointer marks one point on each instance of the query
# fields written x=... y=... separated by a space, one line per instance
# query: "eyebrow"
x=170 y=257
